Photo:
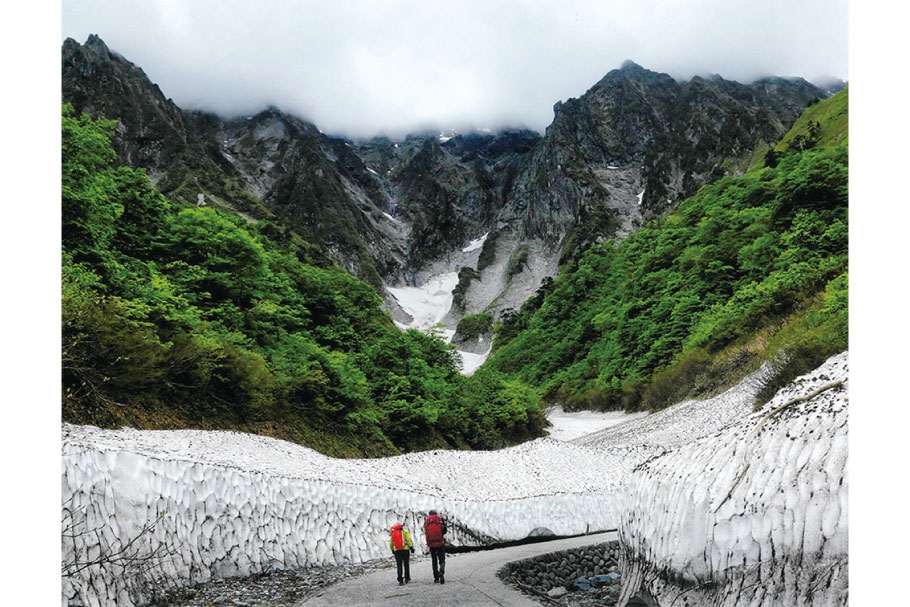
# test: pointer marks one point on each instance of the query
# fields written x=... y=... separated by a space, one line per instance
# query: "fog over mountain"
x=360 y=68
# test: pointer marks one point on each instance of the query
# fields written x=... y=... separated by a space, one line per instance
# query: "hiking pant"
x=439 y=561
x=403 y=559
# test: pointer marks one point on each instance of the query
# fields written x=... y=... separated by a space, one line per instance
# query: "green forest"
x=177 y=316
x=751 y=269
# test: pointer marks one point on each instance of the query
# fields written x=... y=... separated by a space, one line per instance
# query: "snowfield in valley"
x=569 y=425
x=475 y=244
x=234 y=504
x=429 y=303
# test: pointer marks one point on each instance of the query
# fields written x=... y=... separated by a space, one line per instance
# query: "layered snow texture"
x=752 y=515
x=428 y=303
x=233 y=504
x=225 y=503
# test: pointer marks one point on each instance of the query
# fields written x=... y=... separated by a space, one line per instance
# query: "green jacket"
x=407 y=540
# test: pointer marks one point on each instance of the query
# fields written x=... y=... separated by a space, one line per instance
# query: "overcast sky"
x=360 y=68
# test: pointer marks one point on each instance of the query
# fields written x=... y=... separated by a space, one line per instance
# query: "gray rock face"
x=640 y=131
x=100 y=82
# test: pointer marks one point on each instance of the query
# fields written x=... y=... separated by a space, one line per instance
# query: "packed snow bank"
x=565 y=425
x=754 y=514
x=470 y=362
x=428 y=303
x=233 y=504
x=475 y=244
x=682 y=423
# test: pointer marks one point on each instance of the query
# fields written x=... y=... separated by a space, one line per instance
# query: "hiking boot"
x=435 y=580
x=400 y=583
x=407 y=580
x=442 y=579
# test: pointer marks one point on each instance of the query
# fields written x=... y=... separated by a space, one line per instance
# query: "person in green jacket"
x=401 y=546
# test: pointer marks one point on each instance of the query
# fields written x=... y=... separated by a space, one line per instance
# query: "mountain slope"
x=667 y=138
x=268 y=167
x=750 y=268
x=629 y=149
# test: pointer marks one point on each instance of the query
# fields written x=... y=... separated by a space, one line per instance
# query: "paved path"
x=470 y=580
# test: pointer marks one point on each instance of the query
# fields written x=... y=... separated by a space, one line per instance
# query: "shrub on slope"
x=179 y=316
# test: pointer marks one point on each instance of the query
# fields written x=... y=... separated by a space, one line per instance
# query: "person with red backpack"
x=401 y=545
x=435 y=529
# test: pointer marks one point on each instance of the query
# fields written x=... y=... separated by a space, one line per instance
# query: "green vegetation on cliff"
x=178 y=316
x=475 y=325
x=750 y=268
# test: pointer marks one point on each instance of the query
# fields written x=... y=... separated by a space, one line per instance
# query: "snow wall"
x=212 y=520
x=754 y=515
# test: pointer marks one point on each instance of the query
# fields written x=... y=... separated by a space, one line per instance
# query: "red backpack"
x=433 y=529
x=398 y=537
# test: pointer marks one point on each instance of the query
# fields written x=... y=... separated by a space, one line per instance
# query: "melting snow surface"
x=239 y=503
x=471 y=362
x=475 y=244
x=759 y=507
x=234 y=504
x=641 y=197
x=428 y=303
x=571 y=425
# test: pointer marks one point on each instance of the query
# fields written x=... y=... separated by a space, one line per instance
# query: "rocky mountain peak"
x=97 y=45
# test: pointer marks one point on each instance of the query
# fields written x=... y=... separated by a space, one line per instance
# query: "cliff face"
x=446 y=189
x=638 y=142
x=151 y=130
x=270 y=166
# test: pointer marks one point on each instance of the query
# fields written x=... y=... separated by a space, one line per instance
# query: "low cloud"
x=360 y=68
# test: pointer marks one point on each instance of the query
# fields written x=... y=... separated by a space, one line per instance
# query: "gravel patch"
x=270 y=589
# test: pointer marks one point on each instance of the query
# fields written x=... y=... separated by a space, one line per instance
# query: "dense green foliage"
x=474 y=325
x=822 y=124
x=178 y=316
x=750 y=267
x=487 y=252
x=466 y=275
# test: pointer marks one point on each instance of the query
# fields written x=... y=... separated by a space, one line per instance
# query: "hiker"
x=401 y=545
x=435 y=529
